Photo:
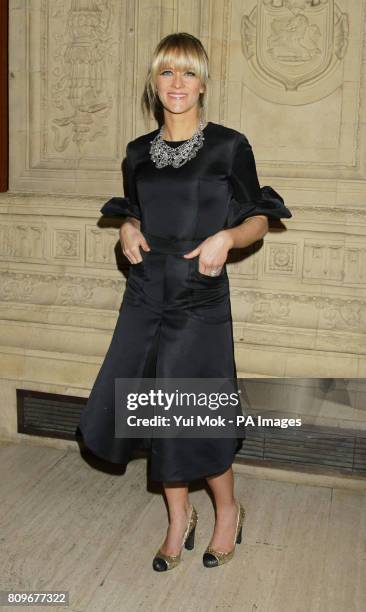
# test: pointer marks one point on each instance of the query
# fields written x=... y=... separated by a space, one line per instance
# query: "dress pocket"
x=139 y=268
x=206 y=277
x=143 y=254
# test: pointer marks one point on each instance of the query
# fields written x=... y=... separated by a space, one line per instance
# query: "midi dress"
x=175 y=321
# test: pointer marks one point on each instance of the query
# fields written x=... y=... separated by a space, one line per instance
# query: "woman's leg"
x=179 y=508
x=222 y=487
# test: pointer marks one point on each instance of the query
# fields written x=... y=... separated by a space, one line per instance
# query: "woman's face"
x=178 y=91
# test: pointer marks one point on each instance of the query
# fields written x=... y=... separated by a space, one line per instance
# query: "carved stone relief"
x=51 y=289
x=280 y=258
x=67 y=244
x=301 y=311
x=82 y=52
x=22 y=240
x=71 y=101
x=292 y=44
x=100 y=245
x=334 y=263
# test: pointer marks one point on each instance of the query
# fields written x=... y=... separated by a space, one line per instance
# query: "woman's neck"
x=180 y=132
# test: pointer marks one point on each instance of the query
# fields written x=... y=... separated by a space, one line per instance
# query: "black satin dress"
x=175 y=321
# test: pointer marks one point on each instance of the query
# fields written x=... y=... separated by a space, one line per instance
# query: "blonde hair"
x=184 y=52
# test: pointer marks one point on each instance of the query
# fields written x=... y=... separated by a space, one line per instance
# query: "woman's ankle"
x=227 y=507
x=181 y=513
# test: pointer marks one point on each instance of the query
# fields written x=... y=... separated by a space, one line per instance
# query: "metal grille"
x=48 y=414
x=340 y=449
x=57 y=416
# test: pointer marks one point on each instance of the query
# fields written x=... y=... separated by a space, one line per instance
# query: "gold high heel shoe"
x=163 y=562
x=212 y=557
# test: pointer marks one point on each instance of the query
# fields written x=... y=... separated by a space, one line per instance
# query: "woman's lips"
x=177 y=96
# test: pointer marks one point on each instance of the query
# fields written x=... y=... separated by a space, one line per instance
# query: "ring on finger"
x=215 y=272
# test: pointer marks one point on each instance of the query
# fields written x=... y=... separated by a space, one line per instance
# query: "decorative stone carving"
x=59 y=290
x=280 y=258
x=79 y=80
x=341 y=313
x=292 y=44
x=22 y=240
x=67 y=244
x=334 y=262
x=100 y=245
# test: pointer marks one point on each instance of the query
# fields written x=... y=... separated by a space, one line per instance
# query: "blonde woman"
x=193 y=194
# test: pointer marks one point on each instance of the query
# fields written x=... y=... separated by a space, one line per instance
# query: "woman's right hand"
x=131 y=239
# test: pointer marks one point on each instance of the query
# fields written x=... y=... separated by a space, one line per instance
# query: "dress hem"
x=102 y=456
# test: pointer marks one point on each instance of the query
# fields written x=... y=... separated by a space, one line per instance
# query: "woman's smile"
x=177 y=96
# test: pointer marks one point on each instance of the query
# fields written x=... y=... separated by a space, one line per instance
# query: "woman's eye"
x=187 y=72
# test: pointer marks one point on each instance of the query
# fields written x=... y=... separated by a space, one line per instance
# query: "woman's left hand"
x=212 y=252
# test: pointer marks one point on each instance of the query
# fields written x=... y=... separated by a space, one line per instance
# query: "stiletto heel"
x=163 y=562
x=212 y=557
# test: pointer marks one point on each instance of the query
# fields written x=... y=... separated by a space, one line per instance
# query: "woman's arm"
x=249 y=209
x=131 y=237
x=216 y=247
x=132 y=221
x=251 y=206
x=249 y=231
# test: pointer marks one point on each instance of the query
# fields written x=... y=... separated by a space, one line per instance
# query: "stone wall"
x=289 y=74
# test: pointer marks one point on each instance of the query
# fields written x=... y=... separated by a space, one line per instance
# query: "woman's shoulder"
x=224 y=130
x=228 y=133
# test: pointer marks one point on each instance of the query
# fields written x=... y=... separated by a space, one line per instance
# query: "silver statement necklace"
x=164 y=155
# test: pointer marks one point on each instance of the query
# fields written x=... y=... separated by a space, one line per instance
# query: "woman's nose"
x=177 y=80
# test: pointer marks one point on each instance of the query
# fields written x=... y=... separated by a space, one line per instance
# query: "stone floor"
x=66 y=524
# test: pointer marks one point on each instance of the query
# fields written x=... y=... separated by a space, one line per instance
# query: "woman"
x=193 y=194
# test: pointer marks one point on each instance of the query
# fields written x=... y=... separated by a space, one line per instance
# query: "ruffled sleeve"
x=127 y=206
x=248 y=198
